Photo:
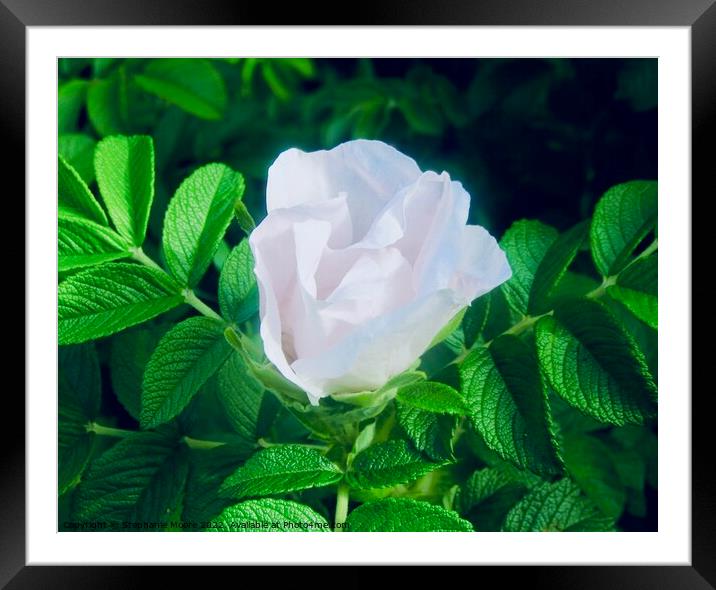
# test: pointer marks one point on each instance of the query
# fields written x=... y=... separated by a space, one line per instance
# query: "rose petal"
x=482 y=266
x=382 y=348
x=369 y=173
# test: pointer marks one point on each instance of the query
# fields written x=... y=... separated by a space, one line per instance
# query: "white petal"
x=367 y=172
x=381 y=348
x=482 y=265
x=287 y=246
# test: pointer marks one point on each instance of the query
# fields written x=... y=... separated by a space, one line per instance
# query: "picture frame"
x=16 y=16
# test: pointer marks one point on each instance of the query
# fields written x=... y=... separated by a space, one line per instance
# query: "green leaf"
x=557 y=506
x=269 y=515
x=240 y=394
x=123 y=476
x=590 y=465
x=475 y=319
x=74 y=198
x=404 y=515
x=281 y=469
x=73 y=457
x=645 y=337
x=633 y=451
x=525 y=243
x=193 y=85
x=365 y=438
x=637 y=289
x=161 y=501
x=509 y=406
x=594 y=365
x=78 y=151
x=553 y=267
x=105 y=299
x=386 y=465
x=79 y=389
x=488 y=495
x=244 y=219
x=197 y=218
x=102 y=65
x=115 y=105
x=70 y=100
x=81 y=243
x=499 y=318
x=185 y=358
x=572 y=286
x=125 y=175
x=623 y=217
x=238 y=292
x=129 y=356
x=79 y=381
x=433 y=397
x=430 y=433
x=208 y=468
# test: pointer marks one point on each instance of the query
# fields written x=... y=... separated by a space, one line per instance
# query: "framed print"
x=396 y=280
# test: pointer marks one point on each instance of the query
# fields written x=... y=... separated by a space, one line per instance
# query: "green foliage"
x=78 y=151
x=553 y=266
x=637 y=288
x=387 y=464
x=105 y=299
x=281 y=469
x=79 y=391
x=508 y=404
x=125 y=175
x=70 y=98
x=81 y=243
x=241 y=396
x=130 y=354
x=404 y=515
x=591 y=467
x=185 y=358
x=269 y=515
x=197 y=218
x=623 y=217
x=474 y=322
x=593 y=364
x=193 y=85
x=238 y=292
x=74 y=198
x=526 y=243
x=431 y=433
x=556 y=506
x=535 y=408
x=433 y=397
x=133 y=478
x=488 y=495
x=208 y=468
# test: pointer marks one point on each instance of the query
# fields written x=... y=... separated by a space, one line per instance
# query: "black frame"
x=700 y=15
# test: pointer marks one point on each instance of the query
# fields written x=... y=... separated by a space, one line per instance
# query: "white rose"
x=360 y=262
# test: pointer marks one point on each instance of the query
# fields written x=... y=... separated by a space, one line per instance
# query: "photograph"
x=386 y=294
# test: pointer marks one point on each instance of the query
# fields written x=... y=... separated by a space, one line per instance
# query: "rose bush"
x=361 y=261
x=534 y=410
